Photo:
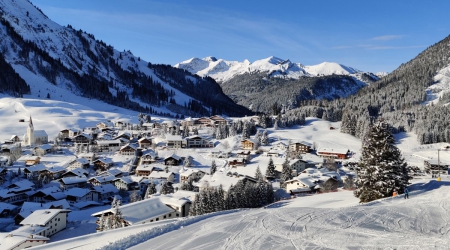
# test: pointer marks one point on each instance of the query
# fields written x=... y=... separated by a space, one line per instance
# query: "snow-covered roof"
x=73 y=180
x=88 y=136
x=6 y=206
x=82 y=161
x=48 y=190
x=42 y=216
x=44 y=146
x=36 y=168
x=173 y=138
x=331 y=150
x=105 y=160
x=217 y=179
x=84 y=204
x=77 y=192
x=40 y=133
x=86 y=155
x=130 y=146
x=144 y=138
x=126 y=179
x=56 y=169
x=108 y=142
x=19 y=236
x=80 y=172
x=176 y=157
x=189 y=171
x=137 y=212
x=21 y=184
x=160 y=175
x=144 y=168
x=107 y=188
x=103 y=178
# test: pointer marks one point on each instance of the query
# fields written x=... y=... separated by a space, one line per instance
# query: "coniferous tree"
x=270 y=172
x=286 y=173
x=213 y=168
x=258 y=175
x=381 y=169
x=151 y=189
x=167 y=188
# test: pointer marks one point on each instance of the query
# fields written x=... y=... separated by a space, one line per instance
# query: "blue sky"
x=367 y=35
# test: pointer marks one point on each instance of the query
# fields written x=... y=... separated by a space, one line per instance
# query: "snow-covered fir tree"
x=135 y=196
x=151 y=189
x=213 y=168
x=264 y=138
x=258 y=175
x=286 y=173
x=270 y=172
x=381 y=169
x=167 y=188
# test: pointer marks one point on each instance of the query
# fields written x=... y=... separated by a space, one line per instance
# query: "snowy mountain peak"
x=210 y=59
x=330 y=68
x=222 y=70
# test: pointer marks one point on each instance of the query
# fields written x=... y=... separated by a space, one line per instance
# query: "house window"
x=157 y=219
x=178 y=215
x=170 y=215
x=165 y=216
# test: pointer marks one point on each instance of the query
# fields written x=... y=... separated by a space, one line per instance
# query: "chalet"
x=148 y=158
x=56 y=172
x=249 y=144
x=300 y=147
x=55 y=197
x=7 y=209
x=129 y=149
x=194 y=172
x=150 y=210
x=50 y=221
x=68 y=133
x=77 y=172
x=144 y=170
x=126 y=183
x=175 y=141
x=123 y=135
x=72 y=182
x=105 y=191
x=34 y=170
x=93 y=131
x=120 y=124
x=236 y=162
x=204 y=122
x=107 y=124
x=108 y=145
x=196 y=141
x=214 y=153
x=339 y=153
x=42 y=149
x=23 y=237
x=29 y=207
x=433 y=165
x=188 y=122
x=244 y=155
x=272 y=153
x=114 y=172
x=162 y=175
x=145 y=142
x=172 y=160
x=88 y=156
x=103 y=164
x=16 y=192
x=81 y=162
x=76 y=195
x=219 y=120
x=301 y=184
x=280 y=145
x=297 y=165
x=38 y=196
x=82 y=138
x=15 y=138
x=102 y=180
x=105 y=136
x=31 y=160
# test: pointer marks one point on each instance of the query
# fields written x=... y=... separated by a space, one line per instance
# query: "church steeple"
x=30 y=133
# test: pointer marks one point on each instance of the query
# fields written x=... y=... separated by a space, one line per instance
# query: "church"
x=34 y=137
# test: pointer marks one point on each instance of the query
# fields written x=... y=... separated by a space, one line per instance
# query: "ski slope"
x=320 y=221
x=326 y=221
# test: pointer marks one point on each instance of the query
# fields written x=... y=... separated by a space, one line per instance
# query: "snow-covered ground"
x=323 y=221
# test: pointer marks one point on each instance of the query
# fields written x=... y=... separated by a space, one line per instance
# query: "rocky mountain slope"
x=45 y=53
